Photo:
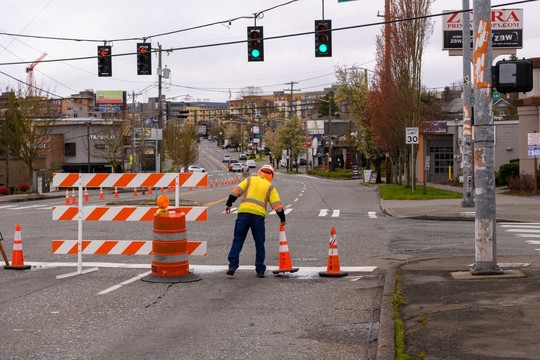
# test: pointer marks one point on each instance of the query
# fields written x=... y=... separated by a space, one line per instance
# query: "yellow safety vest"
x=256 y=192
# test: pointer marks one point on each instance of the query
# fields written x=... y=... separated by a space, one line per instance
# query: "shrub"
x=521 y=184
x=23 y=187
x=506 y=172
x=4 y=190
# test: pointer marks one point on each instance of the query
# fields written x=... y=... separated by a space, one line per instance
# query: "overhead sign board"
x=506 y=29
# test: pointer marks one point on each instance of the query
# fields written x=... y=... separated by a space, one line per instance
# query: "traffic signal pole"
x=484 y=149
x=160 y=116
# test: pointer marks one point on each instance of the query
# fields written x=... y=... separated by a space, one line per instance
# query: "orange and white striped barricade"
x=119 y=247
x=128 y=180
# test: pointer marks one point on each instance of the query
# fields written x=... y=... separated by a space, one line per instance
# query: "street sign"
x=533 y=139
x=496 y=96
x=411 y=135
x=533 y=151
x=427 y=162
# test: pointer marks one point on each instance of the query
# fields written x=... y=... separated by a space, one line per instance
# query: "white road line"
x=323 y=212
x=524 y=230
x=335 y=213
x=372 y=214
x=129 y=281
x=304 y=272
x=7 y=206
x=531 y=226
x=295 y=200
x=529 y=235
x=288 y=211
x=27 y=207
x=533 y=242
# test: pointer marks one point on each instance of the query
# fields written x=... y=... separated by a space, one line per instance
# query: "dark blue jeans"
x=244 y=222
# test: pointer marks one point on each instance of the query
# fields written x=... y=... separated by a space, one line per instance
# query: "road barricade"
x=118 y=213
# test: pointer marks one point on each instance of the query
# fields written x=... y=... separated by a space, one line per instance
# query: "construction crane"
x=30 y=72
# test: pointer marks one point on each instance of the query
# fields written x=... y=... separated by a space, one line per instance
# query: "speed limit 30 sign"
x=411 y=135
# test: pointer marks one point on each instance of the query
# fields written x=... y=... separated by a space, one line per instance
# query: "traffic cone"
x=115 y=192
x=100 y=193
x=135 y=192
x=332 y=269
x=17 y=260
x=67 y=197
x=149 y=190
x=86 y=197
x=285 y=264
x=161 y=190
x=73 y=197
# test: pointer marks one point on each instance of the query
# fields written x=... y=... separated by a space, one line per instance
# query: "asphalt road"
x=111 y=313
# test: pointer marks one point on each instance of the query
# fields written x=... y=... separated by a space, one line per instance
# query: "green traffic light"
x=255 y=53
x=323 y=48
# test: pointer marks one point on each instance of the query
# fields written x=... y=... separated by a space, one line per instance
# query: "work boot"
x=230 y=272
x=260 y=275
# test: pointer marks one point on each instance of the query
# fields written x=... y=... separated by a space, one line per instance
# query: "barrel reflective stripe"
x=169 y=258
x=172 y=237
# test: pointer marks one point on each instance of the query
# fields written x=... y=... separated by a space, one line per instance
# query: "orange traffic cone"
x=332 y=269
x=17 y=260
x=161 y=190
x=149 y=190
x=86 y=197
x=285 y=264
x=67 y=197
x=73 y=197
x=135 y=192
x=115 y=192
x=100 y=193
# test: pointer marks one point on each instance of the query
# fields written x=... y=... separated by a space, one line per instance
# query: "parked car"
x=226 y=146
x=251 y=163
x=242 y=157
x=283 y=163
x=226 y=158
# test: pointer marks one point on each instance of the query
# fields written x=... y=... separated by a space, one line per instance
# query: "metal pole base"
x=292 y=270
x=172 y=279
x=494 y=271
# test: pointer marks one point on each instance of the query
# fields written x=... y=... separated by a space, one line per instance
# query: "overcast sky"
x=207 y=74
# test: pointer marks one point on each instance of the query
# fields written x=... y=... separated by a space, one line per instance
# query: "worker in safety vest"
x=255 y=193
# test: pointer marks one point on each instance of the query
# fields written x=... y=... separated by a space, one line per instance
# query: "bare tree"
x=181 y=144
x=109 y=143
x=28 y=129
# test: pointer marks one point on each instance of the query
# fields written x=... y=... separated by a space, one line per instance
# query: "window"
x=70 y=149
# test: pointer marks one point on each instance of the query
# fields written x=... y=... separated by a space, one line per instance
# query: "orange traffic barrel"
x=170 y=262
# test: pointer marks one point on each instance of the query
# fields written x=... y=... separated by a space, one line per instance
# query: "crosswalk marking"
x=323 y=212
x=7 y=206
x=524 y=231
x=372 y=214
x=18 y=207
x=335 y=213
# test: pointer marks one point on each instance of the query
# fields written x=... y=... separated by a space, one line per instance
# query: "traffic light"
x=513 y=76
x=323 y=38
x=255 y=43
x=104 y=61
x=144 y=59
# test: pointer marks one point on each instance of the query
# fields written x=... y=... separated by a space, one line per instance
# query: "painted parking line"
x=129 y=281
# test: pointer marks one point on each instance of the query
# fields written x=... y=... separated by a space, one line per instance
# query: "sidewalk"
x=451 y=314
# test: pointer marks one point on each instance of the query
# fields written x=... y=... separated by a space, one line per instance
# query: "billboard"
x=506 y=29
x=110 y=97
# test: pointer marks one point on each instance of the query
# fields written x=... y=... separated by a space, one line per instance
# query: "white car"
x=193 y=168
x=250 y=163
x=226 y=158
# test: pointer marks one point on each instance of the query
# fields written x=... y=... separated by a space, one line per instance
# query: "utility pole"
x=468 y=200
x=159 y=143
x=292 y=98
x=484 y=149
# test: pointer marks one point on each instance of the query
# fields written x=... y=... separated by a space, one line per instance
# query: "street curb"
x=386 y=341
